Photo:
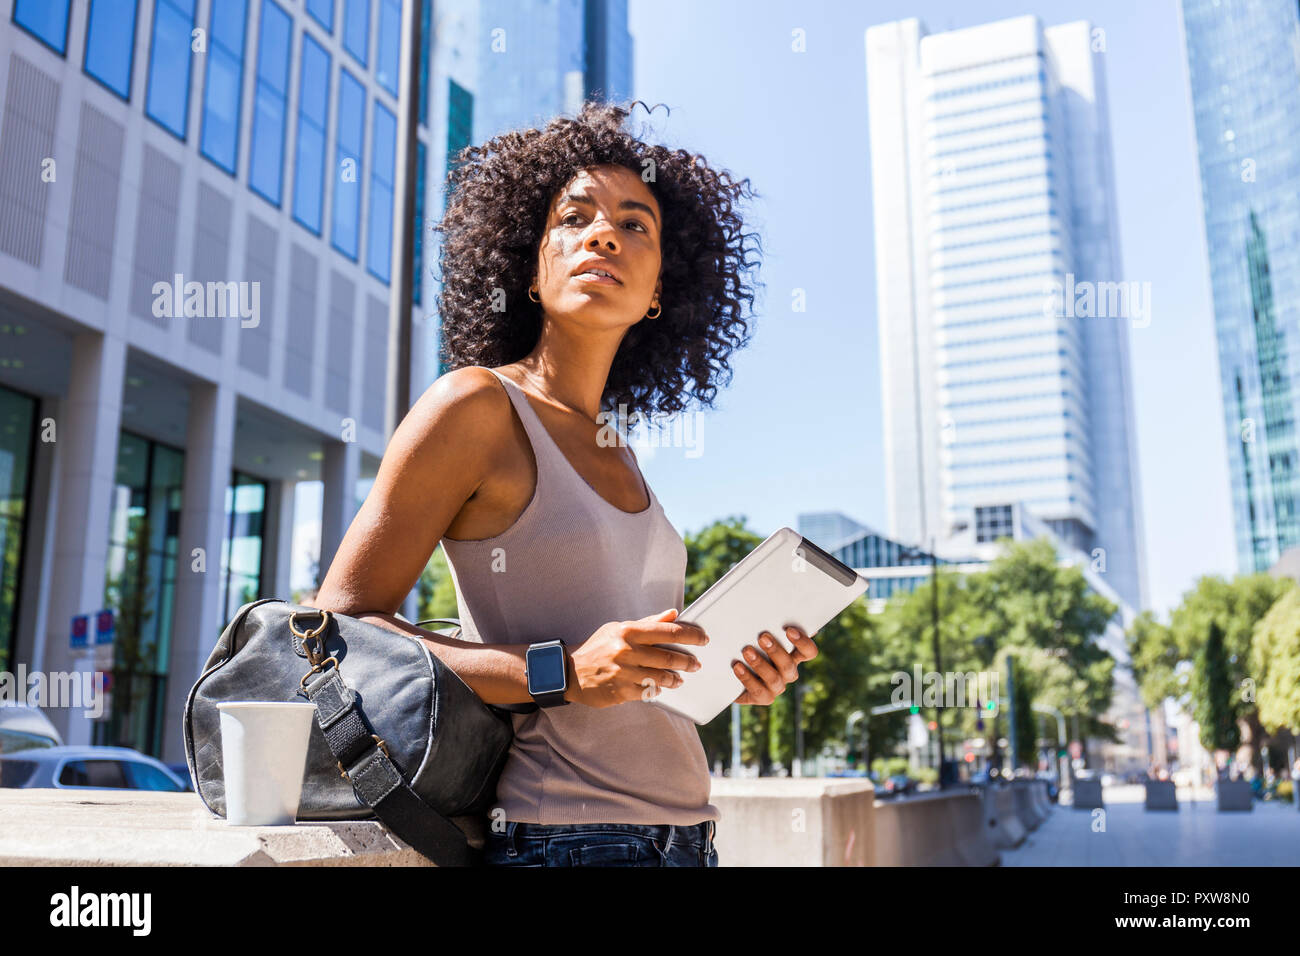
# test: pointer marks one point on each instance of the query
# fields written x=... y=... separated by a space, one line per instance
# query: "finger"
x=664 y=632
x=650 y=681
x=805 y=649
x=663 y=657
x=757 y=691
x=779 y=656
x=768 y=674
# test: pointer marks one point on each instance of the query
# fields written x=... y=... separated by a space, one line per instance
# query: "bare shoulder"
x=467 y=402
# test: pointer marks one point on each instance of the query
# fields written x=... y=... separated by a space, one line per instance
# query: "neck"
x=572 y=369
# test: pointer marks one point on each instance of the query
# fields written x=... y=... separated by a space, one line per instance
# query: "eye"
x=638 y=223
x=565 y=220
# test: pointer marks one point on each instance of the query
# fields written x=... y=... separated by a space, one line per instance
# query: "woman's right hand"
x=620 y=662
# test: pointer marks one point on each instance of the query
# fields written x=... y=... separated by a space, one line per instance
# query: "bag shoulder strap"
x=363 y=758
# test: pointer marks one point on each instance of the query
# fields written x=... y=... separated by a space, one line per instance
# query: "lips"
x=596 y=264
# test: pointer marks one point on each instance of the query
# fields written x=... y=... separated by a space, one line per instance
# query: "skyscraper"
x=510 y=64
x=1244 y=65
x=537 y=60
x=1003 y=326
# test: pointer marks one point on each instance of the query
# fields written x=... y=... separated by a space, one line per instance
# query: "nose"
x=602 y=230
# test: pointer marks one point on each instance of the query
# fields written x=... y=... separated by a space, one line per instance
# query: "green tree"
x=1236 y=606
x=436 y=594
x=1212 y=690
x=1275 y=656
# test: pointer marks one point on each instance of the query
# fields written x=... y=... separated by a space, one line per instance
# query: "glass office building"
x=993 y=199
x=1243 y=62
x=196 y=265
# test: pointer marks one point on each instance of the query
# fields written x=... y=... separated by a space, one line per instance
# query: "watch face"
x=545 y=670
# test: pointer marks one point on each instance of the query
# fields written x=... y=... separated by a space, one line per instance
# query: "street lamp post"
x=934 y=621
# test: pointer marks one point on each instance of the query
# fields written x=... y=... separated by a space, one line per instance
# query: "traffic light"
x=914 y=709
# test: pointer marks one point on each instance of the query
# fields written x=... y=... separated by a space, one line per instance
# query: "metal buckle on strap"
x=316 y=656
x=317 y=668
x=378 y=743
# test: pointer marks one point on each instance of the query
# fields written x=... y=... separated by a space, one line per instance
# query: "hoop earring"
x=659 y=311
x=538 y=300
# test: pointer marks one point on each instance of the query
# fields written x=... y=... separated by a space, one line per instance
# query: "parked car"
x=87 y=768
x=25 y=728
x=182 y=771
x=899 y=785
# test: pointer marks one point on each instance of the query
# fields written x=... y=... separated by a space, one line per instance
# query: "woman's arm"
x=436 y=459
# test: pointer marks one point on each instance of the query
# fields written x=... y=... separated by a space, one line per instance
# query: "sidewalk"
x=1196 y=834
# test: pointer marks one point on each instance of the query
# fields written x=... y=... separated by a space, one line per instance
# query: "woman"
x=584 y=270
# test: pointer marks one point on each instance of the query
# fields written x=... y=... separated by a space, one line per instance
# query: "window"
x=323 y=11
x=168 y=99
x=110 y=44
x=383 y=166
x=265 y=174
x=140 y=587
x=242 y=547
x=143 y=776
x=345 y=223
x=993 y=522
x=426 y=13
x=16 y=773
x=93 y=773
x=47 y=20
x=222 y=92
x=313 y=113
x=356 y=28
x=460 y=127
x=390 y=45
x=417 y=270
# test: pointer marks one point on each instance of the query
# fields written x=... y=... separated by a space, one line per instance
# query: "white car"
x=25 y=728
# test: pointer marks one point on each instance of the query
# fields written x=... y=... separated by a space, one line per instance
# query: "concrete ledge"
x=45 y=827
x=1022 y=795
x=800 y=821
x=946 y=829
x=1003 y=823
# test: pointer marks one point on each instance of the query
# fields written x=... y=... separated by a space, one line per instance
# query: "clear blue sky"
x=799 y=429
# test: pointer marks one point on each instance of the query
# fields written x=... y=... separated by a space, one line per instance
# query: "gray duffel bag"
x=397 y=734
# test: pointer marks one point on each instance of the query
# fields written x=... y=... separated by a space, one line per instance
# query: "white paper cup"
x=264 y=756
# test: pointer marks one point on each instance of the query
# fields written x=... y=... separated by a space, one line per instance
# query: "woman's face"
x=608 y=213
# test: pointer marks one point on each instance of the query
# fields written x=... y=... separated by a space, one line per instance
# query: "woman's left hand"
x=764 y=680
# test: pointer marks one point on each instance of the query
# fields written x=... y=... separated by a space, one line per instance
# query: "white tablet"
x=785 y=580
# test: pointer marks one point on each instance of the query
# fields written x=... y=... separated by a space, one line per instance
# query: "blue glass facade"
x=1245 y=86
x=349 y=143
x=265 y=174
x=47 y=20
x=390 y=45
x=417 y=270
x=313 y=115
x=356 y=28
x=168 y=99
x=383 y=171
x=323 y=12
x=110 y=44
x=222 y=90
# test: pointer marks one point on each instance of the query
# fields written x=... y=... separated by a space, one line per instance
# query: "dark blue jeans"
x=601 y=844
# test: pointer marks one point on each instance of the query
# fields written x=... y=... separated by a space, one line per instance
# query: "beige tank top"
x=570 y=563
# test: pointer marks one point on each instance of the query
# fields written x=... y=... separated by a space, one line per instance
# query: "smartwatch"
x=546 y=666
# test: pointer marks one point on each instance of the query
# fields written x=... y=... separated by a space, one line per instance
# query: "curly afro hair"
x=500 y=196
